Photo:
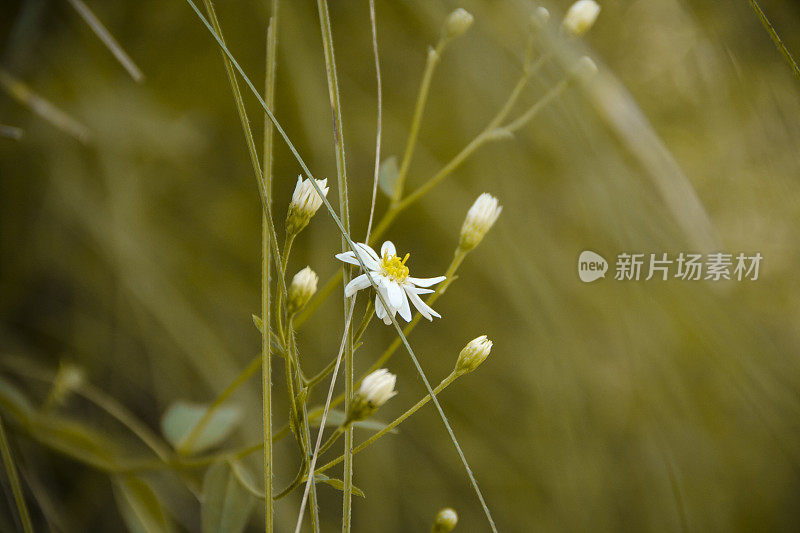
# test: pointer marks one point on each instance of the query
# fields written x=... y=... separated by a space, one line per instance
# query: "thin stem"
x=376 y=172
x=266 y=281
x=553 y=93
x=396 y=422
x=422 y=97
x=13 y=478
x=325 y=416
x=105 y=36
x=344 y=210
x=306 y=435
x=776 y=39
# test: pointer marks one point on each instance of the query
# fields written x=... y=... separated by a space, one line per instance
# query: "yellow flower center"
x=395 y=268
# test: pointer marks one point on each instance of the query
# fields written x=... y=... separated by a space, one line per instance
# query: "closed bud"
x=580 y=17
x=480 y=218
x=457 y=23
x=304 y=204
x=375 y=390
x=445 y=521
x=303 y=287
x=473 y=354
x=540 y=17
x=68 y=378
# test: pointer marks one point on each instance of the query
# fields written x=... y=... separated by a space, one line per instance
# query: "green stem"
x=266 y=251
x=344 y=211
x=396 y=422
x=13 y=478
x=422 y=98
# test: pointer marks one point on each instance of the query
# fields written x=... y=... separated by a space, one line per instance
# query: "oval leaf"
x=139 y=506
x=387 y=175
x=226 y=503
x=181 y=417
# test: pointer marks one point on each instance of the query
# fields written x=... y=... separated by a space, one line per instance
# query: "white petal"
x=348 y=257
x=405 y=309
x=396 y=295
x=388 y=249
x=368 y=250
x=423 y=308
x=380 y=311
x=358 y=283
x=425 y=282
x=416 y=290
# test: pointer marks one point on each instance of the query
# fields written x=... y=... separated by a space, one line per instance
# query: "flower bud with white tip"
x=540 y=17
x=580 y=17
x=375 y=390
x=304 y=204
x=457 y=23
x=480 y=218
x=303 y=287
x=473 y=354
x=445 y=521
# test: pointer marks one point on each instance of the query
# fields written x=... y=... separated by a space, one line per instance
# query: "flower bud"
x=540 y=17
x=480 y=218
x=473 y=354
x=68 y=378
x=375 y=390
x=457 y=23
x=305 y=203
x=303 y=287
x=580 y=17
x=446 y=520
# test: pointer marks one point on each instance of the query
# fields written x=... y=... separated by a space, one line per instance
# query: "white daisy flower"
x=391 y=276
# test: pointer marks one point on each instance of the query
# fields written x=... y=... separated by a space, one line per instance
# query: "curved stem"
x=422 y=97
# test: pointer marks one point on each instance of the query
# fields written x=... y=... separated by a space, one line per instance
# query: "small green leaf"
x=181 y=417
x=336 y=418
x=387 y=175
x=226 y=503
x=338 y=484
x=139 y=506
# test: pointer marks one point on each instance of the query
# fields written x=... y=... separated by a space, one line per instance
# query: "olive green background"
x=637 y=406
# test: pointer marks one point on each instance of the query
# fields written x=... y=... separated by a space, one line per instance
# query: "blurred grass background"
x=611 y=406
